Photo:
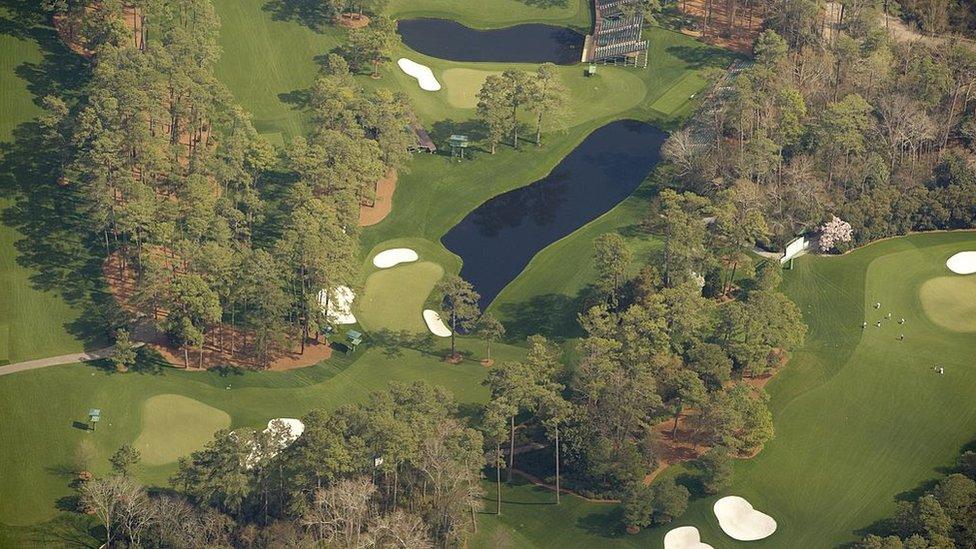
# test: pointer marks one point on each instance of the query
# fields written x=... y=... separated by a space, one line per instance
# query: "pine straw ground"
x=734 y=30
x=225 y=345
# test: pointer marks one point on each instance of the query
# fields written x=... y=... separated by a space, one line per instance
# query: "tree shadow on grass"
x=889 y=526
x=554 y=316
x=67 y=530
x=314 y=14
x=441 y=132
x=605 y=523
x=57 y=246
x=392 y=342
x=545 y=4
x=701 y=57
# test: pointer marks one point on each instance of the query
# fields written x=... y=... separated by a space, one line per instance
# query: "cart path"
x=88 y=356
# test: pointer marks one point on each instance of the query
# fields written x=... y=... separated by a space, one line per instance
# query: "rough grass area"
x=174 y=426
x=394 y=298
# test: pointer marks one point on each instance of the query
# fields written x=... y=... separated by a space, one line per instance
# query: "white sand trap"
x=741 y=521
x=435 y=324
x=339 y=304
x=685 y=537
x=422 y=73
x=396 y=256
x=295 y=428
x=963 y=263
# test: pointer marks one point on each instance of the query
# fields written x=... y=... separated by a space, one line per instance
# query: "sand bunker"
x=963 y=263
x=422 y=73
x=293 y=429
x=396 y=256
x=339 y=304
x=685 y=537
x=435 y=324
x=294 y=426
x=741 y=521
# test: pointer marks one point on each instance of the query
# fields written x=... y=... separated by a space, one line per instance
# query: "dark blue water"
x=531 y=43
x=497 y=240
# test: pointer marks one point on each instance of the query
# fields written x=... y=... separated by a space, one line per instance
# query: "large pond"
x=533 y=43
x=499 y=238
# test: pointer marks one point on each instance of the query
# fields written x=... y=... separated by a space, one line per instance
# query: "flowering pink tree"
x=834 y=231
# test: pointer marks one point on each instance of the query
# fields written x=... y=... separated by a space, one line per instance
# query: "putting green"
x=950 y=302
x=173 y=426
x=463 y=85
x=394 y=298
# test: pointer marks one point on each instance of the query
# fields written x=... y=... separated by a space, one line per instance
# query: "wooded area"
x=876 y=131
x=228 y=242
x=194 y=206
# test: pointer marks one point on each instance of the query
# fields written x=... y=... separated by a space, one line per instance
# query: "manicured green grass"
x=462 y=86
x=34 y=322
x=265 y=62
x=174 y=426
x=860 y=416
x=679 y=94
x=42 y=440
x=287 y=55
x=394 y=298
x=950 y=302
x=486 y=14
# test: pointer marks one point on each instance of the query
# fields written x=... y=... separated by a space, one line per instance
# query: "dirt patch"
x=371 y=214
x=225 y=345
x=724 y=24
x=351 y=20
x=687 y=444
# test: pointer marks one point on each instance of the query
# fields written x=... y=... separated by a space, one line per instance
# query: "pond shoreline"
x=526 y=43
x=498 y=239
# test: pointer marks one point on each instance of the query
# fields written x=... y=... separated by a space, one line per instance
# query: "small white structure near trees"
x=796 y=247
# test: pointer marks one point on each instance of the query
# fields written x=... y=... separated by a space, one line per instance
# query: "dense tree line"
x=939 y=16
x=669 y=341
x=172 y=173
x=399 y=470
x=944 y=516
x=852 y=123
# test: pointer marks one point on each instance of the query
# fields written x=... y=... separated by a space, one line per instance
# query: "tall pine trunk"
x=511 y=450
x=557 y=464
x=498 y=478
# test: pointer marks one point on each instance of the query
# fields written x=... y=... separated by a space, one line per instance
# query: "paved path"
x=97 y=354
